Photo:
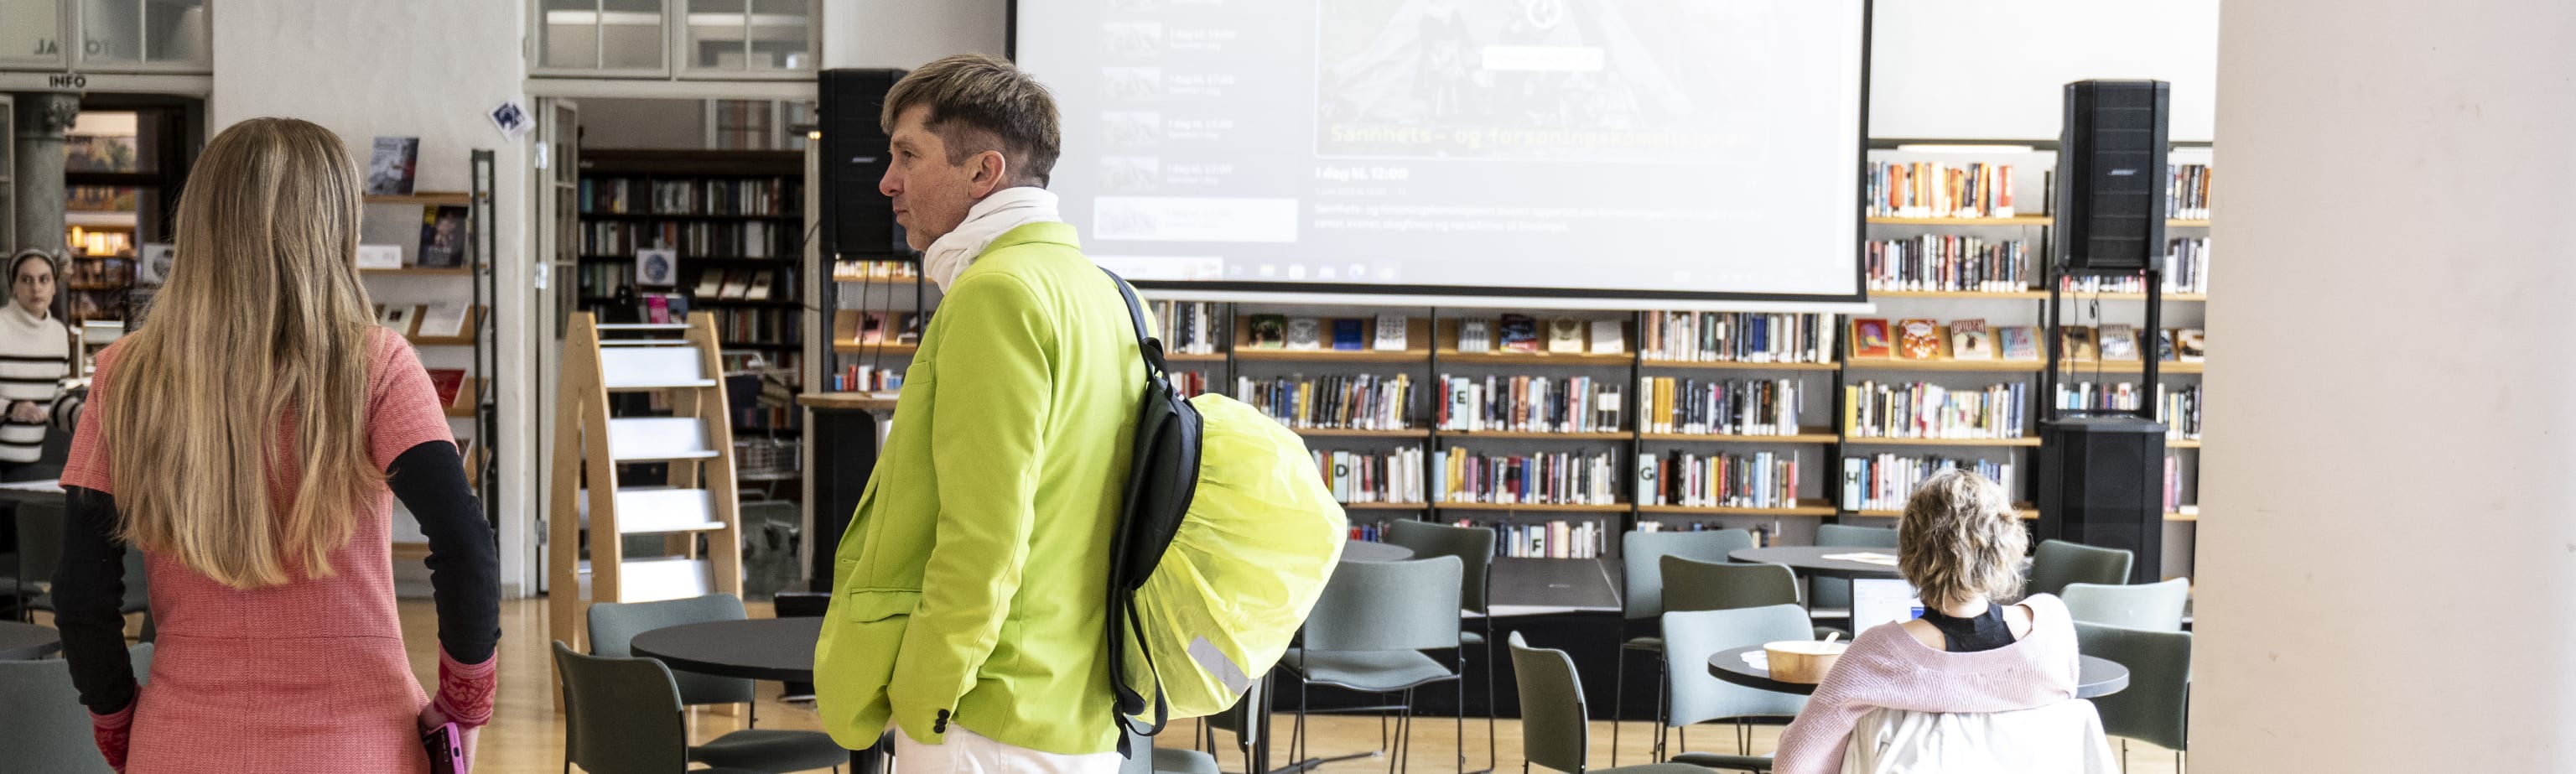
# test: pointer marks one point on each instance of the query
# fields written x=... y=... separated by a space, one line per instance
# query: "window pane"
x=111 y=31
x=781 y=35
x=104 y=142
x=571 y=31
x=632 y=31
x=715 y=34
x=174 y=31
x=30 y=31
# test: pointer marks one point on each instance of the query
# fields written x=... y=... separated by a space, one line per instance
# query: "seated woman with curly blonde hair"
x=1960 y=543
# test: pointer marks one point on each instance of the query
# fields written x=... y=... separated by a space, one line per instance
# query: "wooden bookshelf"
x=2182 y=443
x=1328 y=432
x=1210 y=357
x=1803 y=508
x=846 y=326
x=1737 y=365
x=1999 y=295
x=2186 y=223
x=1947 y=364
x=1530 y=508
x=1857 y=440
x=2016 y=220
x=1516 y=435
x=1386 y=506
x=1806 y=435
x=742 y=224
x=1329 y=356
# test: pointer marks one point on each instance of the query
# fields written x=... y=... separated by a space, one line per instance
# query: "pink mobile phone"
x=446 y=745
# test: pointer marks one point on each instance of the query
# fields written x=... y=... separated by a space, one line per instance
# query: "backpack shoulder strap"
x=1147 y=345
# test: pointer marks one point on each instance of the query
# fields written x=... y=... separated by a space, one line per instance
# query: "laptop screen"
x=1881 y=600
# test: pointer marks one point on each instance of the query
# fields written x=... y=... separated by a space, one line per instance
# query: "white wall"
x=1995 y=69
x=2390 y=561
x=412 y=69
x=907 y=33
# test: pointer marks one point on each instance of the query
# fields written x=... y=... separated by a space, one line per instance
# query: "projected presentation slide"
x=1694 y=146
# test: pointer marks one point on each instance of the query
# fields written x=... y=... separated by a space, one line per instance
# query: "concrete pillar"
x=2387 y=548
x=42 y=120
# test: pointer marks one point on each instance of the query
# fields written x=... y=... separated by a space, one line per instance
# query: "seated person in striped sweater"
x=35 y=356
x=1960 y=543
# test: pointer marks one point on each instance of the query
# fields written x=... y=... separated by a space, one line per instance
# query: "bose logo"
x=2123 y=172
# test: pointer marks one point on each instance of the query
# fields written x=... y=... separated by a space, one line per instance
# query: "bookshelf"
x=465 y=360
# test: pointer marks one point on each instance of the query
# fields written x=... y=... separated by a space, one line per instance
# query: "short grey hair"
x=979 y=103
x=1961 y=538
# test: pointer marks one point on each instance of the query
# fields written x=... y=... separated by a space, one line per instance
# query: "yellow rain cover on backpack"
x=1262 y=536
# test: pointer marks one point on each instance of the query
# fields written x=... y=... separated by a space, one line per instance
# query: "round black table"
x=1366 y=551
x=779 y=649
x=2093 y=677
x=20 y=641
x=1810 y=560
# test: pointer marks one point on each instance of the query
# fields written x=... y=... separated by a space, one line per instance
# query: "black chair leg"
x=1618 y=695
x=1492 y=757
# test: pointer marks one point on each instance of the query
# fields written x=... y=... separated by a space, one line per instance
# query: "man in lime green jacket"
x=967 y=603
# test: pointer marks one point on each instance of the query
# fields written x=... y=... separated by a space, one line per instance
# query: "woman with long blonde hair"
x=249 y=440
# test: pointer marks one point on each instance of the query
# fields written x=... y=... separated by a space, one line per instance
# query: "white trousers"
x=967 y=752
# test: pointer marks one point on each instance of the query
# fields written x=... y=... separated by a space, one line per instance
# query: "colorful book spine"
x=1924 y=410
x=1559 y=478
x=1739 y=337
x=1883 y=482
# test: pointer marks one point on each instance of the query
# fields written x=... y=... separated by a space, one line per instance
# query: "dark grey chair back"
x=1407 y=605
x=1641 y=568
x=1553 y=730
x=1474 y=547
x=2156 y=707
x=621 y=715
x=613 y=626
x=1691 y=584
x=2058 y=563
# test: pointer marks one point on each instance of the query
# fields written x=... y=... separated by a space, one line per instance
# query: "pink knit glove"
x=465 y=690
x=113 y=733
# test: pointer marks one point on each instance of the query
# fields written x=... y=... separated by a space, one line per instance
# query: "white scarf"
x=989 y=219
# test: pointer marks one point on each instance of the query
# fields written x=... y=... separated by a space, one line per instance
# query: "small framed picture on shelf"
x=657 y=267
x=402 y=318
x=442 y=237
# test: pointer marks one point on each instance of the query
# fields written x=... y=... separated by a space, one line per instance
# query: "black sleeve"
x=89 y=587
x=464 y=564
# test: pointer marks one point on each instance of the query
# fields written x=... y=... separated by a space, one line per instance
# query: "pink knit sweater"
x=1887 y=667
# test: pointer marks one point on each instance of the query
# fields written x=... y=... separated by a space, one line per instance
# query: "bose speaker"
x=856 y=219
x=2101 y=483
x=2111 y=176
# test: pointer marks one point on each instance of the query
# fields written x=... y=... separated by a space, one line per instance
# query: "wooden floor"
x=526 y=735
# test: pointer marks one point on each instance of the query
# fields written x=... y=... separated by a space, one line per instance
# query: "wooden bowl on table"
x=1802 y=661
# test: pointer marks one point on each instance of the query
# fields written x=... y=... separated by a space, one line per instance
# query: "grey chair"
x=1152 y=759
x=43 y=726
x=40 y=553
x=1641 y=597
x=623 y=716
x=613 y=626
x=2150 y=606
x=1691 y=584
x=1831 y=597
x=1556 y=732
x=1474 y=547
x=1367 y=633
x=1247 y=722
x=2058 y=563
x=1691 y=637
x=2156 y=707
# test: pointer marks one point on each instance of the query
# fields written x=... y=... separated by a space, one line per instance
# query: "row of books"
x=768 y=418
x=2188 y=195
x=765 y=326
x=1335 y=401
x=1738 y=337
x=1373 y=532
x=2173 y=484
x=864 y=377
x=1947 y=262
x=1922 y=339
x=1883 y=482
x=1924 y=410
x=1721 y=406
x=1560 y=539
x=1360 y=477
x=603 y=279
x=2121 y=343
x=745 y=284
x=728 y=196
x=2186 y=267
x=1932 y=189
x=1273 y=331
x=886 y=327
x=1556 y=478
x=1756 y=480
x=1528 y=404
x=2178 y=408
x=693 y=239
x=663 y=308
x=1189 y=327
x=1520 y=333
x=1189 y=384
x=875 y=271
